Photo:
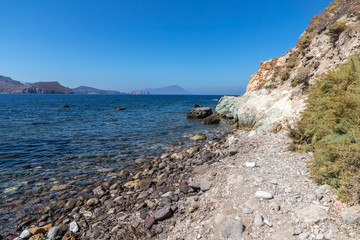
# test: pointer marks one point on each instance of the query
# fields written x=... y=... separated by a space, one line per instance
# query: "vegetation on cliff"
x=330 y=127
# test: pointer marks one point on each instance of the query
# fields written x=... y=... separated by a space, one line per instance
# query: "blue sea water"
x=42 y=145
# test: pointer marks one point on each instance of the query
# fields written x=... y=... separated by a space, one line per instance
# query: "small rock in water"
x=54 y=232
x=74 y=227
x=205 y=185
x=98 y=191
x=25 y=234
x=263 y=194
x=233 y=230
x=162 y=165
x=198 y=137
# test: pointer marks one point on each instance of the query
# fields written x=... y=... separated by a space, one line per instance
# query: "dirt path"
x=262 y=191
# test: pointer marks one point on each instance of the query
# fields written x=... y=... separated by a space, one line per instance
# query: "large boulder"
x=199 y=113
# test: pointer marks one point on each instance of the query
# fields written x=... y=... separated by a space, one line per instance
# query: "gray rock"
x=233 y=230
x=163 y=213
x=263 y=194
x=258 y=220
x=159 y=229
x=205 y=185
x=162 y=165
x=351 y=215
x=309 y=56
x=201 y=169
x=312 y=213
x=54 y=232
x=304 y=236
x=74 y=227
x=247 y=211
x=199 y=113
x=198 y=137
x=25 y=234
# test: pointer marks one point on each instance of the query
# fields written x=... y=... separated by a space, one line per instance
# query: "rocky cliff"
x=276 y=94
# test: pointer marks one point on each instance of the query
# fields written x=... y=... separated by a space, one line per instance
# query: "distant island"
x=8 y=85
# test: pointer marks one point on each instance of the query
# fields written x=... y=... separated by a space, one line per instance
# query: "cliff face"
x=276 y=93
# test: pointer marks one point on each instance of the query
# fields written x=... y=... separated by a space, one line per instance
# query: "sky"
x=204 y=46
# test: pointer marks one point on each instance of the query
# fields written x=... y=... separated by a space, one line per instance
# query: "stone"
x=99 y=191
x=233 y=230
x=184 y=187
x=247 y=211
x=205 y=185
x=145 y=184
x=64 y=106
x=304 y=235
x=312 y=214
x=351 y=215
x=199 y=113
x=258 y=220
x=263 y=194
x=212 y=119
x=159 y=229
x=201 y=169
x=163 y=213
x=149 y=222
x=92 y=201
x=162 y=165
x=25 y=234
x=70 y=204
x=43 y=229
x=250 y=164
x=198 y=137
x=38 y=236
x=309 y=56
x=253 y=204
x=319 y=236
x=74 y=227
x=54 y=232
x=59 y=187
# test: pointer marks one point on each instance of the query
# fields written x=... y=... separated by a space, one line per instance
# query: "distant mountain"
x=91 y=90
x=8 y=85
x=171 y=90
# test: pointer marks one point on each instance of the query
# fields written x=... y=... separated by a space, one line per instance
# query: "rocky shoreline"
x=244 y=185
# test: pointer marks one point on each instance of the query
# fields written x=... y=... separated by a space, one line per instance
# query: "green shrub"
x=330 y=126
x=301 y=77
x=303 y=43
x=335 y=30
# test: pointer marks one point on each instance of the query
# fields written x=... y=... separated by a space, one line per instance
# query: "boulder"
x=351 y=215
x=212 y=119
x=119 y=109
x=199 y=113
x=198 y=137
x=64 y=106
x=233 y=230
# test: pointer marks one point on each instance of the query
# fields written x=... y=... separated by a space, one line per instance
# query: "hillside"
x=91 y=90
x=8 y=85
x=313 y=91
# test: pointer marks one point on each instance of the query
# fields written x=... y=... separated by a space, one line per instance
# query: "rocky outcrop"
x=199 y=113
x=276 y=94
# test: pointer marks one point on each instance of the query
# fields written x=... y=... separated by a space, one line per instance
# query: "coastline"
x=198 y=191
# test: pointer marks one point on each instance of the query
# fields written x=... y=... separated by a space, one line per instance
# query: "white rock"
x=258 y=220
x=74 y=227
x=312 y=213
x=263 y=194
x=250 y=164
x=25 y=234
x=304 y=236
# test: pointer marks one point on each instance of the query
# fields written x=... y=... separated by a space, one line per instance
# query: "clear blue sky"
x=204 y=46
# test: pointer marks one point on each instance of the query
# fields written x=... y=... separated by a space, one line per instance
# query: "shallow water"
x=42 y=145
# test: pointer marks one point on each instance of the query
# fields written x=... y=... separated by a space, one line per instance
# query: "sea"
x=43 y=146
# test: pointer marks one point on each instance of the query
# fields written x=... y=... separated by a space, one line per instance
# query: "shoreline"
x=111 y=190
x=244 y=185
